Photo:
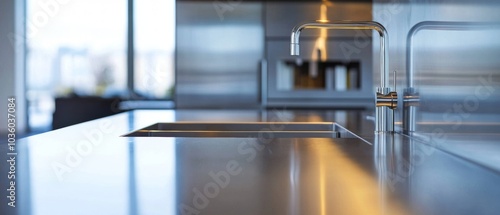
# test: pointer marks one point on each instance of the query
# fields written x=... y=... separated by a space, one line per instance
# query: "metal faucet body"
x=411 y=98
x=384 y=120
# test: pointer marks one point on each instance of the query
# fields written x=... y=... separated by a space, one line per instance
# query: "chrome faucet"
x=385 y=100
x=411 y=98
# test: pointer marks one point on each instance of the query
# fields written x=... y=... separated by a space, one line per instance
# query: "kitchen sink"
x=243 y=129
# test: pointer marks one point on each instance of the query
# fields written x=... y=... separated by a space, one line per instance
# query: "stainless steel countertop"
x=89 y=169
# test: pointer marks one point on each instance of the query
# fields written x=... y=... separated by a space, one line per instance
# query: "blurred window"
x=79 y=47
x=154 y=37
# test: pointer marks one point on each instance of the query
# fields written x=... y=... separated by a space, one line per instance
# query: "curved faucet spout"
x=349 y=25
x=411 y=96
x=383 y=117
x=437 y=25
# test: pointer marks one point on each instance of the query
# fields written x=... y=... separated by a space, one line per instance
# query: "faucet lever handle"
x=394 y=75
x=390 y=99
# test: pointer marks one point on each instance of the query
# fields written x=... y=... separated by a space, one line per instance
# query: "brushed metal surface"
x=299 y=12
x=217 y=54
x=89 y=169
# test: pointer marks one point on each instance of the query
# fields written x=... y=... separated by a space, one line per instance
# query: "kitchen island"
x=89 y=168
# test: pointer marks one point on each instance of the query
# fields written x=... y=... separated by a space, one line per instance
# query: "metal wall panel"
x=281 y=17
x=218 y=55
x=220 y=48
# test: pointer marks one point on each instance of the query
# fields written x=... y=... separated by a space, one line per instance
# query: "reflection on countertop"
x=89 y=169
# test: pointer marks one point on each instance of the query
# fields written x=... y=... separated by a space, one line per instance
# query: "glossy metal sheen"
x=389 y=100
x=218 y=54
x=411 y=99
x=89 y=169
x=440 y=26
x=349 y=25
x=286 y=176
x=240 y=129
x=383 y=116
x=282 y=16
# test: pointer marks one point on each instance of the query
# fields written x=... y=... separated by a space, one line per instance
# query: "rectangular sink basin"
x=242 y=129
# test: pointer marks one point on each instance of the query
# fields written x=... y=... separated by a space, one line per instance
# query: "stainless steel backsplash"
x=218 y=55
x=221 y=45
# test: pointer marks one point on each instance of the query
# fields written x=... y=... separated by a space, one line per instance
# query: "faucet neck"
x=350 y=25
x=437 y=25
x=383 y=117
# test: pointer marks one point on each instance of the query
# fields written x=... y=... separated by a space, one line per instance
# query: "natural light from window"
x=79 y=48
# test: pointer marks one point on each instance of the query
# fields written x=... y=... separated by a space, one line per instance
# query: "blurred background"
x=68 y=61
x=80 y=50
